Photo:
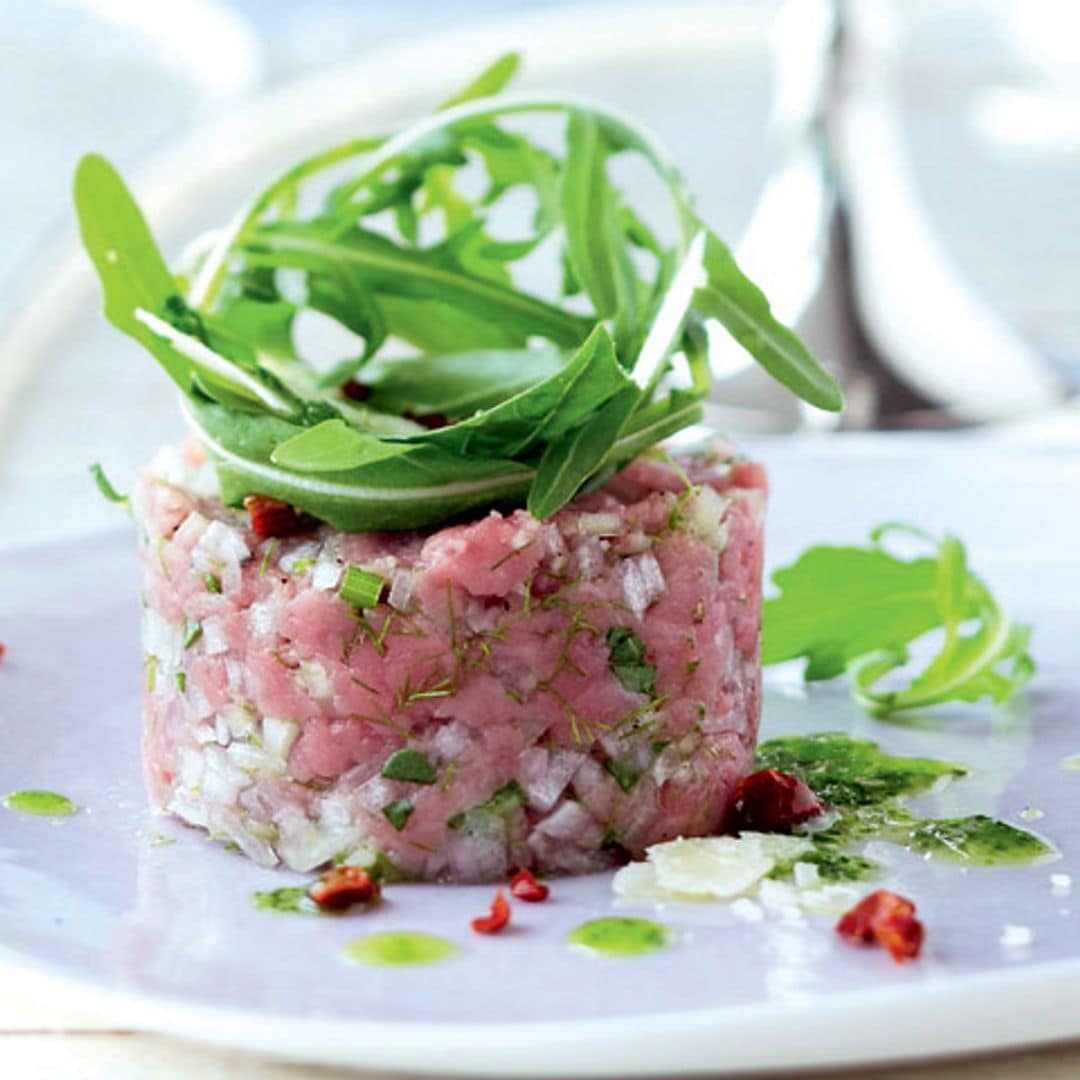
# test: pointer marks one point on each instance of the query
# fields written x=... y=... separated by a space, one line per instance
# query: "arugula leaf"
x=141 y=297
x=331 y=446
x=397 y=246
x=859 y=609
x=740 y=306
x=588 y=210
x=457 y=384
x=417 y=486
x=568 y=462
x=377 y=264
x=490 y=81
x=133 y=274
x=545 y=411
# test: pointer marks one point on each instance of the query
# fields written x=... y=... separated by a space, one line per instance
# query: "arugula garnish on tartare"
x=465 y=390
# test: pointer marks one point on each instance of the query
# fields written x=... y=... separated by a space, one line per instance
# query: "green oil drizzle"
x=978 y=839
x=620 y=936
x=290 y=899
x=40 y=803
x=399 y=948
x=863 y=785
x=845 y=771
x=832 y=866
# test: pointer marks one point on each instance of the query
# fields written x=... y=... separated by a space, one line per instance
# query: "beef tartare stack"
x=509 y=693
x=446 y=604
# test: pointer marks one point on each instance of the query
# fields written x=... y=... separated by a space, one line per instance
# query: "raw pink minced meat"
x=501 y=660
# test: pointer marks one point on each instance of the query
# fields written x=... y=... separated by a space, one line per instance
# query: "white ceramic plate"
x=164 y=937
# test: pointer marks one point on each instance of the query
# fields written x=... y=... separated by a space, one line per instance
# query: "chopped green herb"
x=398 y=812
x=361 y=588
x=106 y=488
x=301 y=567
x=40 y=803
x=503 y=801
x=626 y=776
x=192 y=632
x=626 y=657
x=409 y=765
x=270 y=549
x=859 y=609
x=212 y=583
x=150 y=665
x=626 y=773
x=181 y=681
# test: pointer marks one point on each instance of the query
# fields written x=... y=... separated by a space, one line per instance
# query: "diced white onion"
x=219 y=547
x=162 y=639
x=278 y=737
x=264 y=617
x=213 y=636
x=327 y=572
x=642 y=581
x=706 y=517
x=550 y=772
x=601 y=523
x=314 y=679
x=590 y=557
x=401 y=589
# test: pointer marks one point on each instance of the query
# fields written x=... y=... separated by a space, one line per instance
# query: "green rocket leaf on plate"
x=858 y=609
x=464 y=388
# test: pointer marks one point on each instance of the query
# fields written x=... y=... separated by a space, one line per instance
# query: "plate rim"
x=894 y=1024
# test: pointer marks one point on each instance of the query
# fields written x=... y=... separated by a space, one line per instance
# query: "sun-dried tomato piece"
x=356 y=391
x=771 y=801
x=885 y=919
x=344 y=886
x=523 y=886
x=3 y=650
x=498 y=918
x=272 y=518
x=432 y=420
